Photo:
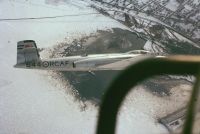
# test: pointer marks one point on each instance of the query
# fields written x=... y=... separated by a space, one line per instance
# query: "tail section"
x=27 y=52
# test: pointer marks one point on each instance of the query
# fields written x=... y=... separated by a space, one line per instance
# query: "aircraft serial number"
x=47 y=64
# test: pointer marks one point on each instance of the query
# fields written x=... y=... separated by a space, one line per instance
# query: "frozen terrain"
x=38 y=102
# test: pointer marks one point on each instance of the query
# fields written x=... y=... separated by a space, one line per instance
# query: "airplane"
x=28 y=57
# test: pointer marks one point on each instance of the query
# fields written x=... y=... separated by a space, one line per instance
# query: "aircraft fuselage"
x=77 y=62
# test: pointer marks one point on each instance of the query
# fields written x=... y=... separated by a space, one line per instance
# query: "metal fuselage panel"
x=73 y=63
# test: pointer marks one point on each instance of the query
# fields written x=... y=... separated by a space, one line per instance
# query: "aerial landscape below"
x=60 y=102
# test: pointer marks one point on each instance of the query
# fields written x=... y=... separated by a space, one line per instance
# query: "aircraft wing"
x=120 y=65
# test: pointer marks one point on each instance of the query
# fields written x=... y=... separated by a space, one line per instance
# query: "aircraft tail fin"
x=27 y=52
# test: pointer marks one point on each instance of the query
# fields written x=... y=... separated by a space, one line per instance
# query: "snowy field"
x=35 y=102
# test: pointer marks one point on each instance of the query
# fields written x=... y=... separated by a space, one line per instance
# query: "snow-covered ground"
x=173 y=5
x=36 y=102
